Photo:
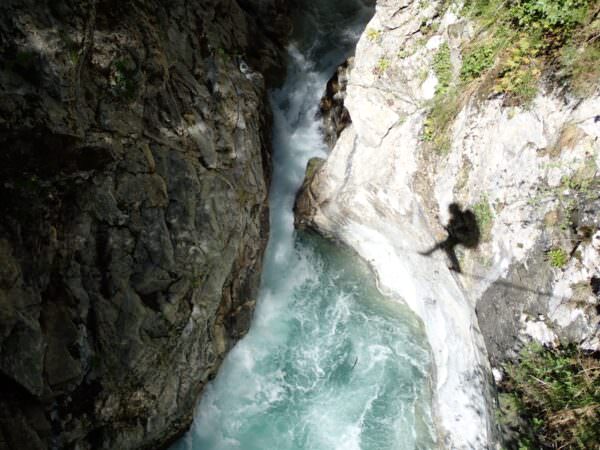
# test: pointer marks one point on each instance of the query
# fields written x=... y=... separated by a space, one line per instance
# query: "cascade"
x=329 y=363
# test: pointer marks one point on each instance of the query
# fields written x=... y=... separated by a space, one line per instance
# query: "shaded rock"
x=134 y=175
x=304 y=206
x=334 y=114
x=511 y=299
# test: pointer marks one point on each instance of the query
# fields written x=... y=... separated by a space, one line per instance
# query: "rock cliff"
x=134 y=171
x=430 y=127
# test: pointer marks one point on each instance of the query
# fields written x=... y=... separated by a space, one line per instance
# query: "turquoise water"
x=328 y=363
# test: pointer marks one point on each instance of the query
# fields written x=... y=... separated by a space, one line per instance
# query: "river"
x=328 y=363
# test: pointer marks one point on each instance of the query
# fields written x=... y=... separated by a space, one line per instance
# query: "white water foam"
x=328 y=362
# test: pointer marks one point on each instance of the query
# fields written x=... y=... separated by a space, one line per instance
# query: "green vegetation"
x=516 y=42
x=124 y=83
x=568 y=207
x=553 y=18
x=445 y=104
x=73 y=48
x=405 y=53
x=558 y=258
x=581 y=65
x=483 y=214
x=373 y=35
x=442 y=66
x=583 y=181
x=476 y=62
x=580 y=187
x=436 y=128
x=556 y=394
x=222 y=54
x=520 y=73
x=527 y=36
x=383 y=64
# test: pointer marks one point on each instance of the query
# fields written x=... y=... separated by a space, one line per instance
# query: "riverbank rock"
x=529 y=172
x=304 y=206
x=134 y=174
x=334 y=115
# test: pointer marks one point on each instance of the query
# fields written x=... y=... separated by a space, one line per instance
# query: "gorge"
x=152 y=152
x=328 y=362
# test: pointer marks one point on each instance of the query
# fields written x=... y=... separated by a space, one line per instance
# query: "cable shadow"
x=463 y=230
x=510 y=285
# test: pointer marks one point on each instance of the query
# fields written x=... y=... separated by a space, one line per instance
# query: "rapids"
x=329 y=363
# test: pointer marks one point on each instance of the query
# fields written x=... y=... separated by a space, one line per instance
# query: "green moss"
x=373 y=35
x=483 y=214
x=383 y=64
x=558 y=258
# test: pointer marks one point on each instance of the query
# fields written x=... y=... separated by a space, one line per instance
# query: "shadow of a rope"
x=508 y=284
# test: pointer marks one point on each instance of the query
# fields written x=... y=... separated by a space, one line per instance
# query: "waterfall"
x=329 y=363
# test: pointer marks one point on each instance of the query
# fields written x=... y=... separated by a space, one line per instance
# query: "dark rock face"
x=526 y=293
x=134 y=166
x=305 y=204
x=334 y=114
x=525 y=290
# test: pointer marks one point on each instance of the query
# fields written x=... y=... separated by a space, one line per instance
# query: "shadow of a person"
x=462 y=230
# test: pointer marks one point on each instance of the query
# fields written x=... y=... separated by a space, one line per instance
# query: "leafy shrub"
x=521 y=38
x=555 y=18
x=520 y=75
x=534 y=32
x=557 y=394
x=476 y=62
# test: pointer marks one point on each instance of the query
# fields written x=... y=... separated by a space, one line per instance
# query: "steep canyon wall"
x=134 y=171
x=423 y=135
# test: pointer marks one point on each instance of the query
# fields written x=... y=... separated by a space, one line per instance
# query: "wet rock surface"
x=134 y=171
x=334 y=114
x=304 y=206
